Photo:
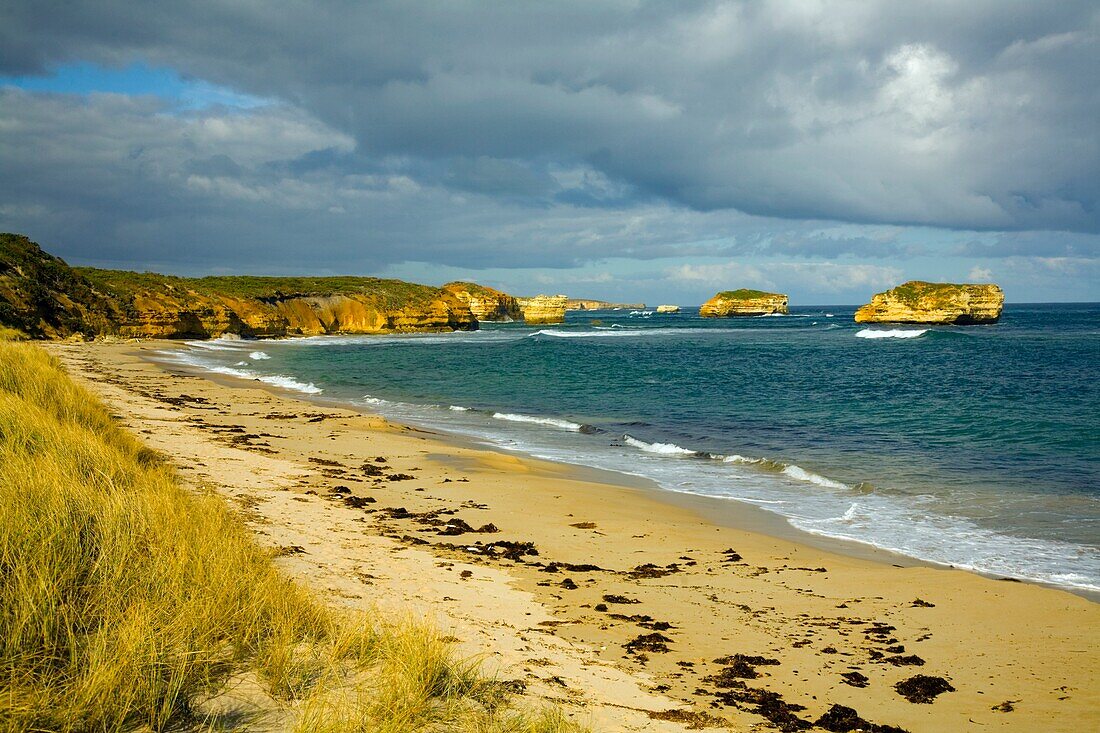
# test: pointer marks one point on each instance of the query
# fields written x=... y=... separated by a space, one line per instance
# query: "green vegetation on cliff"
x=745 y=294
x=390 y=293
x=42 y=296
x=473 y=288
x=918 y=292
x=45 y=298
x=126 y=598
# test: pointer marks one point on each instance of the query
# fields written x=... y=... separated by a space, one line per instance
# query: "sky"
x=615 y=149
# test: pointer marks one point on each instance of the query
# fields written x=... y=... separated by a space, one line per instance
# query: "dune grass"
x=126 y=598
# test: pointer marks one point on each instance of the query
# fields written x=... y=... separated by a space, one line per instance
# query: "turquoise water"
x=974 y=446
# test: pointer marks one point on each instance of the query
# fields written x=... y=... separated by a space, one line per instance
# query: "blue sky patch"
x=135 y=80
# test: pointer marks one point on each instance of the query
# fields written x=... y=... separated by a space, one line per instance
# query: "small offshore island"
x=744 y=302
x=935 y=303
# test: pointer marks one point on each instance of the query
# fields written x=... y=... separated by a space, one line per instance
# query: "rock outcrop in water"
x=743 y=302
x=668 y=309
x=543 y=308
x=44 y=297
x=580 y=304
x=945 y=303
x=486 y=303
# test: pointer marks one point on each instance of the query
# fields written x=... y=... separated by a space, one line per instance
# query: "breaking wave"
x=789 y=470
x=551 y=421
x=665 y=448
x=894 y=333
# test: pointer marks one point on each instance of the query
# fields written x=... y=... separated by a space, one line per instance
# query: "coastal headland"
x=596 y=592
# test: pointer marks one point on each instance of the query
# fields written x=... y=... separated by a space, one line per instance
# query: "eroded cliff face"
x=945 y=303
x=193 y=313
x=668 y=309
x=543 y=308
x=487 y=304
x=743 y=302
x=44 y=297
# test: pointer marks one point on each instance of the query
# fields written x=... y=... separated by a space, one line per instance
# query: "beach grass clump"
x=11 y=334
x=128 y=600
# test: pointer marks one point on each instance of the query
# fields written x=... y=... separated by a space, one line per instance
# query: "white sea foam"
x=258 y=356
x=219 y=344
x=618 y=332
x=739 y=459
x=275 y=380
x=894 y=333
x=284 y=382
x=670 y=449
x=458 y=408
x=552 y=421
x=801 y=474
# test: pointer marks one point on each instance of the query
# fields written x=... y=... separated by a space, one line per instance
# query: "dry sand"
x=631 y=599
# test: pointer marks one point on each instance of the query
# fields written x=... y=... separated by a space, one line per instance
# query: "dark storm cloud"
x=554 y=133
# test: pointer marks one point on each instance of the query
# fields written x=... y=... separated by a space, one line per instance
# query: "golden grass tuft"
x=125 y=597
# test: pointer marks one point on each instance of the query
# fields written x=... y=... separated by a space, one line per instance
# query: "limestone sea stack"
x=668 y=309
x=543 y=308
x=487 y=304
x=743 y=302
x=934 y=303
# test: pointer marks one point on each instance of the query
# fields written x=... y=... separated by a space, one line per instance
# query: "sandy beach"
x=637 y=611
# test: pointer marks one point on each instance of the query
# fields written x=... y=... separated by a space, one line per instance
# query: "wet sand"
x=636 y=609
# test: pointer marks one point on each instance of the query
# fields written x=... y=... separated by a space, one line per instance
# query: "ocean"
x=972 y=446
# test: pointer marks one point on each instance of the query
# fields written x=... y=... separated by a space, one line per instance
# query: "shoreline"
x=816 y=613
x=726 y=511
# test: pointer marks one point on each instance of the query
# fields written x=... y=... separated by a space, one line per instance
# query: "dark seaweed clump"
x=841 y=719
x=923 y=688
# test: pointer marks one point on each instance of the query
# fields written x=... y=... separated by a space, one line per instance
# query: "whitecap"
x=458 y=408
x=664 y=448
x=802 y=474
x=258 y=356
x=894 y=333
x=279 y=380
x=551 y=421
x=740 y=459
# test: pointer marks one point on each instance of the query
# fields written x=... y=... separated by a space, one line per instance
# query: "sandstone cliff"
x=486 y=303
x=543 y=308
x=668 y=309
x=580 y=304
x=923 y=302
x=44 y=297
x=743 y=302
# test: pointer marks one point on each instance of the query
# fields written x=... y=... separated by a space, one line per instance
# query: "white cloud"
x=980 y=275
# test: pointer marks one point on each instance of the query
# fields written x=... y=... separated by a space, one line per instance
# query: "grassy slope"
x=40 y=293
x=392 y=293
x=914 y=292
x=43 y=296
x=746 y=294
x=474 y=289
x=124 y=596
